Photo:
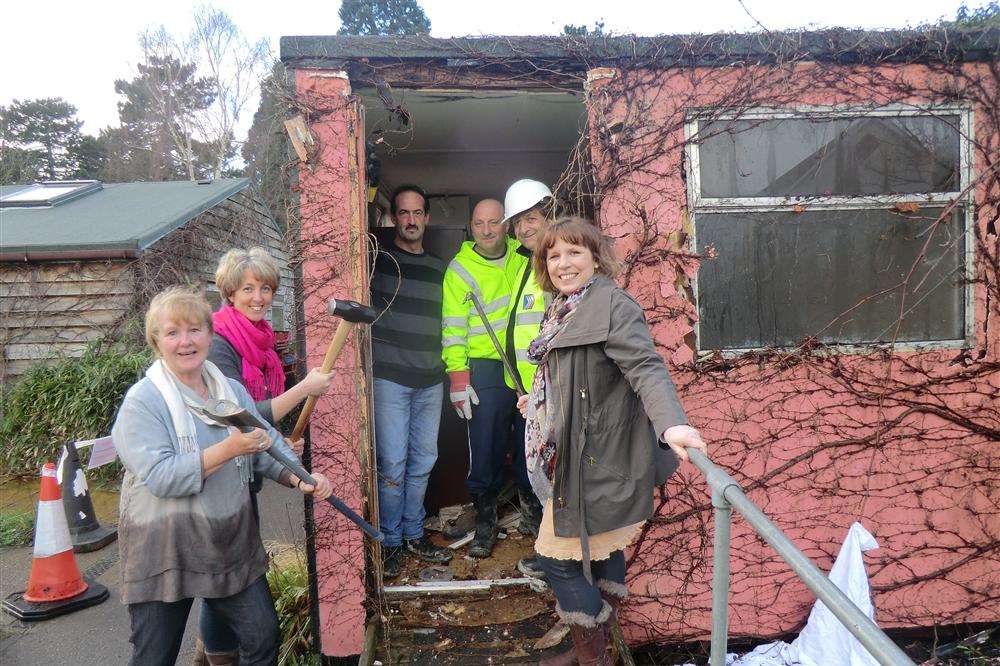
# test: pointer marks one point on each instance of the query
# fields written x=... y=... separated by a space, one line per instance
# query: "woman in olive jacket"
x=601 y=403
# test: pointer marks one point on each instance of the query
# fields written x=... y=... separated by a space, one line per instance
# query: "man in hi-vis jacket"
x=490 y=267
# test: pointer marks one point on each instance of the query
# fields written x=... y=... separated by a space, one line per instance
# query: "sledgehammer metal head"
x=352 y=311
x=228 y=413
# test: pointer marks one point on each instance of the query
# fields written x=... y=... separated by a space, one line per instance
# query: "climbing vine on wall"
x=900 y=436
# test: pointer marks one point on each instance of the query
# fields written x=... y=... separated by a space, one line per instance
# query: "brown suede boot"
x=612 y=599
x=589 y=645
x=614 y=595
x=584 y=637
x=567 y=658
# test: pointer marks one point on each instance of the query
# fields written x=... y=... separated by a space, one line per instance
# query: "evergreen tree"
x=18 y=165
x=382 y=17
x=90 y=156
x=266 y=151
x=156 y=139
x=582 y=31
x=984 y=16
x=45 y=131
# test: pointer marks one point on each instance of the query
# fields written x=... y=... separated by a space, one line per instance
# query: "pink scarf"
x=262 y=373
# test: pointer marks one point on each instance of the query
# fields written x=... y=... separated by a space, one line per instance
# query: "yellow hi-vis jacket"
x=524 y=323
x=463 y=334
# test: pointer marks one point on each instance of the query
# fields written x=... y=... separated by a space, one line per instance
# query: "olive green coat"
x=614 y=399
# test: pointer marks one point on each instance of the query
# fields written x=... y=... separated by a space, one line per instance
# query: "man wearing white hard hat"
x=528 y=205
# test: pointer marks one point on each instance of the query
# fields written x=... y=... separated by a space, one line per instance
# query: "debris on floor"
x=552 y=637
x=473 y=612
x=452 y=521
x=436 y=573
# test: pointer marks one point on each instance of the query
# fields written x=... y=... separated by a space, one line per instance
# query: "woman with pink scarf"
x=243 y=349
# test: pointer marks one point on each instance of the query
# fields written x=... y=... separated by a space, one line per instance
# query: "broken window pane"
x=784 y=157
x=780 y=277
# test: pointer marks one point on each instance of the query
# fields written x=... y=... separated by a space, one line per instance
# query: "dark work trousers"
x=217 y=636
x=520 y=464
x=573 y=592
x=489 y=428
x=158 y=627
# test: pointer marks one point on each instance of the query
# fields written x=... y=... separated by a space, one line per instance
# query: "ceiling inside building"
x=474 y=143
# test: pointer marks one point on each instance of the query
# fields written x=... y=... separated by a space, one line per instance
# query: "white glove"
x=462 y=395
x=464 y=401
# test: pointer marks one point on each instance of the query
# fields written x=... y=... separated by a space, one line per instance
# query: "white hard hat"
x=524 y=195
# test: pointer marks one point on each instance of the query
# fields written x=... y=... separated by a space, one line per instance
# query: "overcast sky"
x=75 y=50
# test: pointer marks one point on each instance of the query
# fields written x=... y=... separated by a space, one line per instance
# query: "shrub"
x=72 y=399
x=288 y=579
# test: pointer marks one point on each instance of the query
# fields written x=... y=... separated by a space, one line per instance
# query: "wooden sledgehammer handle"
x=332 y=352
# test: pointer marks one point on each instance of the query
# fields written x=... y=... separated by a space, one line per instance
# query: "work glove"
x=462 y=395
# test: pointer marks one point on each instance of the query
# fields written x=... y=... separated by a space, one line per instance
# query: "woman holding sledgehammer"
x=243 y=349
x=187 y=527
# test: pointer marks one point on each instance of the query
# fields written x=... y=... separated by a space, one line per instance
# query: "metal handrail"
x=727 y=495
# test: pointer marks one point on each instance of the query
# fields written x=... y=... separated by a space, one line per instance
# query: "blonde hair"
x=234 y=264
x=575 y=231
x=176 y=304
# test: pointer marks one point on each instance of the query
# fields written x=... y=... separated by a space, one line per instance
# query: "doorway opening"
x=462 y=146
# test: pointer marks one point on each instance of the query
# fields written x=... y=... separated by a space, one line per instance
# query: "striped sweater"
x=406 y=338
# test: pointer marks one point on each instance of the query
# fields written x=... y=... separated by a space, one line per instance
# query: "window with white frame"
x=831 y=224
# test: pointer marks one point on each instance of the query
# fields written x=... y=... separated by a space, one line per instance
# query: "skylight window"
x=49 y=193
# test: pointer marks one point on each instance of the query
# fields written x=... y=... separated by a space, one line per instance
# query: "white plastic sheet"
x=824 y=641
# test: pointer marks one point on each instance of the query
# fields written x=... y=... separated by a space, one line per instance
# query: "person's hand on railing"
x=682 y=437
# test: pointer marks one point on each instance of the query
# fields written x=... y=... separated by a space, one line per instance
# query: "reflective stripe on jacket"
x=526 y=314
x=463 y=333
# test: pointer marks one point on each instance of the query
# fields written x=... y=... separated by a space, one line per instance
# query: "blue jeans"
x=489 y=429
x=216 y=634
x=573 y=592
x=158 y=626
x=406 y=433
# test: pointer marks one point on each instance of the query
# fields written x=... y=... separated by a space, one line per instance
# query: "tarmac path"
x=98 y=636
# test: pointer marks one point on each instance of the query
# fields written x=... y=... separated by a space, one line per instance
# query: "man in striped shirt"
x=408 y=372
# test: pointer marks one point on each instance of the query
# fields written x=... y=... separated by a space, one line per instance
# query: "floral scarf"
x=540 y=430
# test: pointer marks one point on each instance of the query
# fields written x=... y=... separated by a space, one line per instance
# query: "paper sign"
x=103 y=452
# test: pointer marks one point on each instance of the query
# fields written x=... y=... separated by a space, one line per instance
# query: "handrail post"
x=860 y=625
x=720 y=577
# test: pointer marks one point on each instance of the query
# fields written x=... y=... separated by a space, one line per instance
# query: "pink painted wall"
x=944 y=524
x=333 y=259
x=810 y=478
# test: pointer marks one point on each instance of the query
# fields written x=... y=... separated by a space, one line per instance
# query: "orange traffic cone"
x=55 y=585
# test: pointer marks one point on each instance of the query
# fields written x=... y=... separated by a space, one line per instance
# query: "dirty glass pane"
x=781 y=277
x=847 y=156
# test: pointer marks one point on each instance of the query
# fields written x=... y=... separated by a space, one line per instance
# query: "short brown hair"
x=235 y=263
x=575 y=231
x=179 y=304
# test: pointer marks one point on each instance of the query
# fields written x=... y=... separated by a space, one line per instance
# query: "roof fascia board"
x=22 y=255
x=833 y=45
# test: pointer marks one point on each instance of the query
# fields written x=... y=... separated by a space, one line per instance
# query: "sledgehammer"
x=519 y=387
x=350 y=313
x=228 y=413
